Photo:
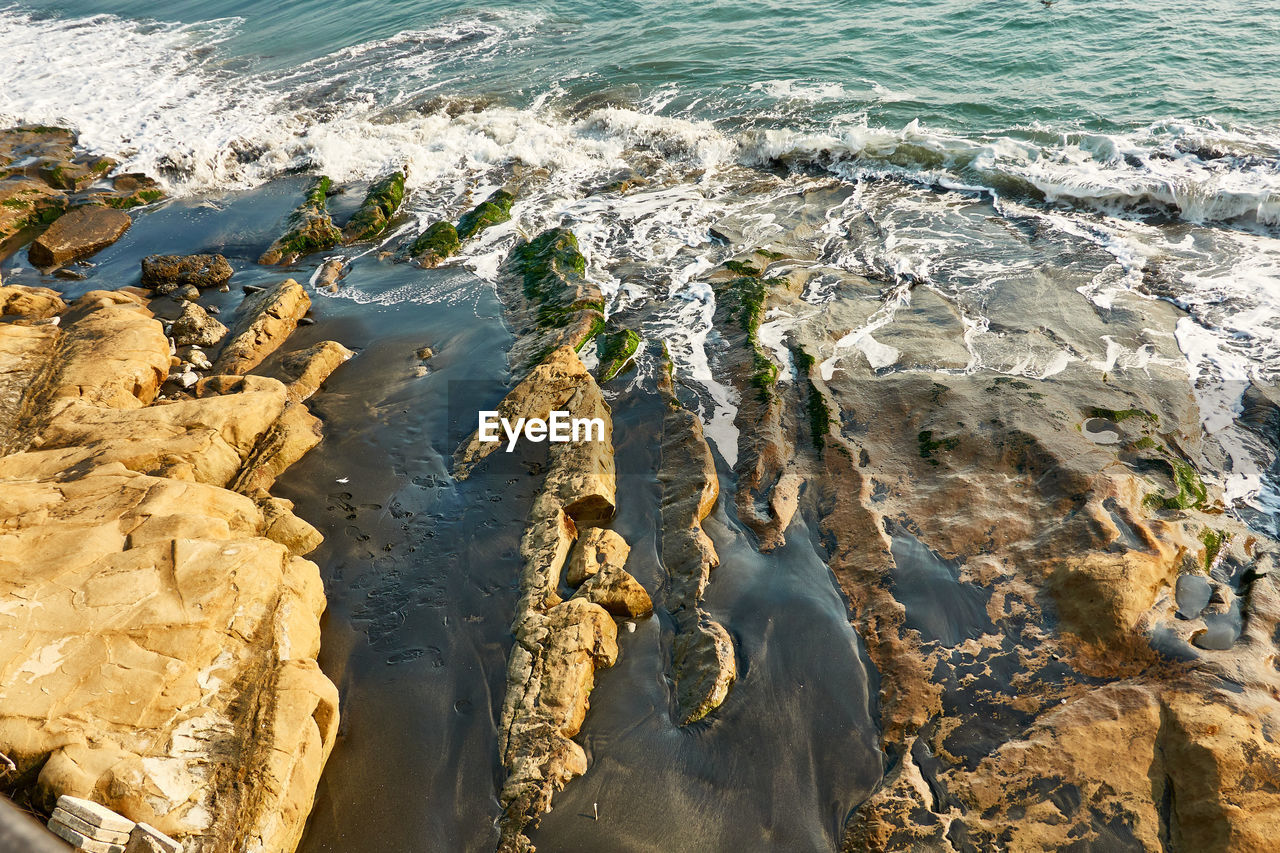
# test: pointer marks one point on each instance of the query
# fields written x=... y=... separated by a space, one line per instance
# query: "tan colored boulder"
x=597 y=547
x=265 y=321
x=113 y=353
x=287 y=440
x=309 y=368
x=194 y=327
x=77 y=234
x=615 y=590
x=33 y=303
x=279 y=524
x=582 y=473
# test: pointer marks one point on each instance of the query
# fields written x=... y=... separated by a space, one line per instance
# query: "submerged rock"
x=78 y=234
x=703 y=663
x=376 y=211
x=166 y=273
x=615 y=351
x=309 y=229
x=28 y=203
x=492 y=211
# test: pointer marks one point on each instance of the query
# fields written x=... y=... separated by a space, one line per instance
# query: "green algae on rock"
x=309 y=228
x=549 y=299
x=379 y=206
x=615 y=351
x=493 y=210
x=438 y=242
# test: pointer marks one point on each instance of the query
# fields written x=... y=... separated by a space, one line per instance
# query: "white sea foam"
x=162 y=98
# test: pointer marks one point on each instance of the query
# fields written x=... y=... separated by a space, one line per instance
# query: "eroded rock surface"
x=158 y=631
x=558 y=644
x=703 y=662
x=265 y=321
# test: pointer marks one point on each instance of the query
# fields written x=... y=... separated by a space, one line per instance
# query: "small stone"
x=306 y=321
x=425 y=353
x=213 y=309
x=188 y=292
x=198 y=359
x=189 y=378
x=95 y=814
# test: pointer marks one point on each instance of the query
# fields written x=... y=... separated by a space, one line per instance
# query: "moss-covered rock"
x=309 y=229
x=28 y=203
x=550 y=300
x=615 y=351
x=550 y=267
x=496 y=208
x=438 y=242
x=816 y=404
x=379 y=206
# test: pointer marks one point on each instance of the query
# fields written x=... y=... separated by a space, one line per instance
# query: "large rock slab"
x=78 y=234
x=157 y=643
x=266 y=319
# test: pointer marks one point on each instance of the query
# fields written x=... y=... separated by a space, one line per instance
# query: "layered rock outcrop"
x=158 y=626
x=704 y=666
x=558 y=644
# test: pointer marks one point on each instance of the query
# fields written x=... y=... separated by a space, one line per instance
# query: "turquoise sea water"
x=958 y=64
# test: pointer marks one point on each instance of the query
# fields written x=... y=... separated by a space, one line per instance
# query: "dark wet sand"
x=421 y=577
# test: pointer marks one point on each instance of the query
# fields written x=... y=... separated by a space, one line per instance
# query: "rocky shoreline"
x=1073 y=641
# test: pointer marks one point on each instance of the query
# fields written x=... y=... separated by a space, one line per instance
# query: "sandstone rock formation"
x=157 y=639
x=264 y=321
x=558 y=644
